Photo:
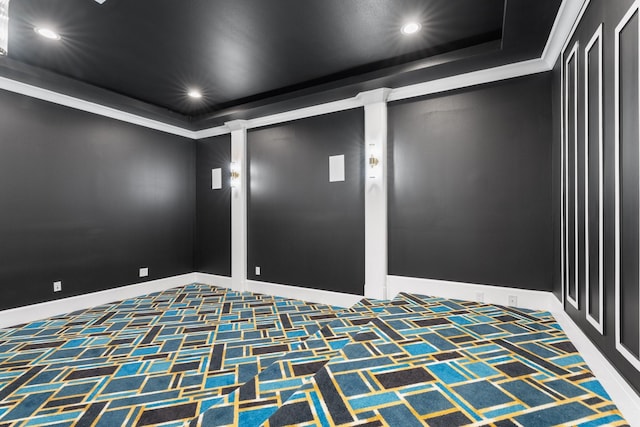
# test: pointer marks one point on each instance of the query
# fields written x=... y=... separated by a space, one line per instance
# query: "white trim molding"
x=573 y=56
x=598 y=324
x=337 y=299
x=239 y=204
x=621 y=393
x=569 y=16
x=534 y=300
x=375 y=192
x=625 y=398
x=90 y=107
x=569 y=13
x=563 y=189
x=30 y=313
x=622 y=349
x=213 y=280
x=473 y=78
x=215 y=131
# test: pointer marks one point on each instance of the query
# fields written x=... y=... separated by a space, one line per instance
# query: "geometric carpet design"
x=206 y=356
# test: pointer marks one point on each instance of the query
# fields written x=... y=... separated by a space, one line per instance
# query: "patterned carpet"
x=206 y=356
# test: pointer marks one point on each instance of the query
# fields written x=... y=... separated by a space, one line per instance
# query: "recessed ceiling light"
x=411 y=28
x=47 y=33
x=195 y=94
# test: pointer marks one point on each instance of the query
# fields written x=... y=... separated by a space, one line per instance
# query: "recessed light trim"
x=47 y=33
x=410 y=28
x=194 y=94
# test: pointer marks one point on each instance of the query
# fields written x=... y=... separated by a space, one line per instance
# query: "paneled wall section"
x=600 y=180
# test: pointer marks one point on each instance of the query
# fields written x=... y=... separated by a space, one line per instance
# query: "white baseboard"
x=305 y=294
x=534 y=300
x=213 y=280
x=30 y=313
x=621 y=393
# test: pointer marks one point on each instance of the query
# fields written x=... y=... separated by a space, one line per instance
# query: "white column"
x=239 y=205
x=375 y=196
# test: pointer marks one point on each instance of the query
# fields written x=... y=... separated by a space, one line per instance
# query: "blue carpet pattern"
x=154 y=360
x=205 y=356
x=450 y=363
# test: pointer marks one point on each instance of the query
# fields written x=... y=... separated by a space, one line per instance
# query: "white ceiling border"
x=568 y=16
x=90 y=107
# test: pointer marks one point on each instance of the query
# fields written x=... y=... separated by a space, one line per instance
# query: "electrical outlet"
x=513 y=301
x=480 y=296
x=57 y=286
x=144 y=272
x=257 y=270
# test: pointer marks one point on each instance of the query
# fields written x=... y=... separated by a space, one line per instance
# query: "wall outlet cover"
x=144 y=272
x=257 y=270
x=57 y=286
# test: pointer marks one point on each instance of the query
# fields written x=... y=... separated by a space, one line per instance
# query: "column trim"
x=375 y=192
x=238 y=130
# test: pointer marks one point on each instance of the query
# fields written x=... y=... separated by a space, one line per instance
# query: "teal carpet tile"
x=255 y=401
x=154 y=360
x=440 y=362
x=205 y=356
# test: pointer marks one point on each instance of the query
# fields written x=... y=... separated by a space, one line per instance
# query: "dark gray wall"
x=609 y=14
x=88 y=200
x=302 y=229
x=470 y=185
x=213 y=207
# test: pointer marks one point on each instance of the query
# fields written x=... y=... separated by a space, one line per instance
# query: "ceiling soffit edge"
x=564 y=26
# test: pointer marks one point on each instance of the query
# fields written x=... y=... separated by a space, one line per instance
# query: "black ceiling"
x=248 y=53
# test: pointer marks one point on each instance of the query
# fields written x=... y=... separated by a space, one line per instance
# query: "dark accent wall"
x=88 y=200
x=578 y=266
x=470 y=185
x=213 y=207
x=302 y=229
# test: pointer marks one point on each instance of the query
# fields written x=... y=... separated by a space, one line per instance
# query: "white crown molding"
x=303 y=113
x=474 y=78
x=90 y=107
x=208 y=133
x=568 y=16
x=30 y=313
x=374 y=96
x=235 y=125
